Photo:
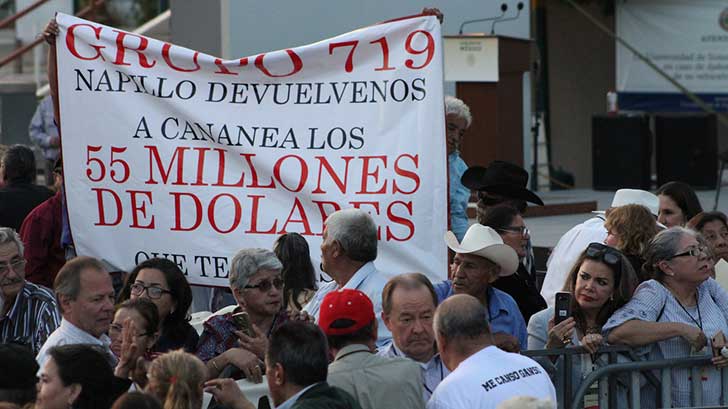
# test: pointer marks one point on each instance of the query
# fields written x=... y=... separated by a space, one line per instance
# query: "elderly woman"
x=678 y=204
x=714 y=228
x=256 y=283
x=509 y=224
x=601 y=281
x=630 y=229
x=675 y=314
x=457 y=121
x=162 y=282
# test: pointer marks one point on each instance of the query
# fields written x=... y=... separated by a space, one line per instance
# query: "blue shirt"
x=459 y=195
x=367 y=280
x=43 y=128
x=503 y=312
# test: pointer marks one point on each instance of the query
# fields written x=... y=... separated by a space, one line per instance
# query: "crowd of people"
x=75 y=332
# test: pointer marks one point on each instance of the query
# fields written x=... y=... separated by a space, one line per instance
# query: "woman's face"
x=144 y=338
x=716 y=233
x=515 y=236
x=257 y=301
x=152 y=277
x=52 y=394
x=670 y=212
x=612 y=239
x=685 y=268
x=594 y=284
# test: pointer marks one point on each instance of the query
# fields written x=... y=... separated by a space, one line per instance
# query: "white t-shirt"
x=489 y=377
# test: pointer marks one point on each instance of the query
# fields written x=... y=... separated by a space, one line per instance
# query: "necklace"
x=699 y=321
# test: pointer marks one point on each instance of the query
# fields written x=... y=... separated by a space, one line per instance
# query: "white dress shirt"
x=69 y=334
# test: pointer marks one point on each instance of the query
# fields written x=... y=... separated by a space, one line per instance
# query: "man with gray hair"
x=348 y=251
x=457 y=121
x=28 y=312
x=239 y=338
x=482 y=375
x=86 y=297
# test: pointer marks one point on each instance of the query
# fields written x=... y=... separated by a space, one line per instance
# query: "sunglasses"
x=266 y=285
x=607 y=255
x=692 y=252
x=521 y=230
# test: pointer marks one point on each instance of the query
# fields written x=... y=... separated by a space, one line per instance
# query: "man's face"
x=454 y=131
x=93 y=309
x=410 y=322
x=274 y=377
x=12 y=270
x=472 y=275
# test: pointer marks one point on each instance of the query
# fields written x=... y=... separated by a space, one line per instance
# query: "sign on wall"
x=688 y=39
x=170 y=152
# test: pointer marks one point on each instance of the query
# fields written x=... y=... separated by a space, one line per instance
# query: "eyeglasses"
x=117 y=328
x=17 y=266
x=522 y=230
x=692 y=252
x=153 y=292
x=266 y=285
x=607 y=255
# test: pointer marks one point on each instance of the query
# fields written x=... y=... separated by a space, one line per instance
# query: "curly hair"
x=635 y=226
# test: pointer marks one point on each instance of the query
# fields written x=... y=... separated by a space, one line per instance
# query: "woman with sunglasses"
x=507 y=221
x=162 y=282
x=240 y=338
x=601 y=281
x=676 y=313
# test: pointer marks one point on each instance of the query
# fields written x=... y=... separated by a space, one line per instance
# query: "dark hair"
x=68 y=280
x=499 y=217
x=137 y=400
x=363 y=335
x=684 y=196
x=87 y=366
x=18 y=381
x=624 y=285
x=174 y=325
x=301 y=349
x=409 y=281
x=147 y=310
x=298 y=273
x=701 y=219
x=19 y=163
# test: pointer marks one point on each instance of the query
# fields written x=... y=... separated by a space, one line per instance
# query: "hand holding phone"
x=241 y=320
x=563 y=307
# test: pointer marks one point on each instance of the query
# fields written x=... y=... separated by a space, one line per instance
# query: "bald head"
x=462 y=317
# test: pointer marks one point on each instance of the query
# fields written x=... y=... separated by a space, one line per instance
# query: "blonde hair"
x=178 y=378
x=634 y=225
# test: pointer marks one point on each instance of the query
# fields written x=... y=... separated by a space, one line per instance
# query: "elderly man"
x=408 y=307
x=296 y=369
x=482 y=376
x=576 y=240
x=479 y=260
x=347 y=318
x=457 y=121
x=28 y=312
x=348 y=251
x=239 y=338
x=86 y=297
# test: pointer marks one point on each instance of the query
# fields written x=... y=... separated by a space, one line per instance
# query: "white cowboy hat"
x=635 y=196
x=485 y=242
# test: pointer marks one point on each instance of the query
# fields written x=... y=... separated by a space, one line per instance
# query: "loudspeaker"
x=621 y=152
x=687 y=149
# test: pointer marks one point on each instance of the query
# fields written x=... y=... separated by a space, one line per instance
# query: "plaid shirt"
x=218 y=335
x=33 y=317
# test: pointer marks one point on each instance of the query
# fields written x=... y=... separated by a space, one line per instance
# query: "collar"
x=293 y=399
x=74 y=331
x=495 y=306
x=351 y=349
x=360 y=276
x=392 y=350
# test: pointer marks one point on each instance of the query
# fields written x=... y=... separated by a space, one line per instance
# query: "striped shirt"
x=33 y=317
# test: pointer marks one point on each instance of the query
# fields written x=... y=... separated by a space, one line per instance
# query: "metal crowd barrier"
x=606 y=376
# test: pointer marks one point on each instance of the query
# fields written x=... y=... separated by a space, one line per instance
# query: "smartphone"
x=563 y=306
x=241 y=320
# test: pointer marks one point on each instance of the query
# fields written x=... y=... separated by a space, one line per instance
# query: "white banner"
x=173 y=153
x=688 y=39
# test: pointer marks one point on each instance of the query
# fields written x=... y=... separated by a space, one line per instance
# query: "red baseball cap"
x=346 y=304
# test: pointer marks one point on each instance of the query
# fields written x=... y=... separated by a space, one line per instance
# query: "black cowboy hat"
x=501 y=178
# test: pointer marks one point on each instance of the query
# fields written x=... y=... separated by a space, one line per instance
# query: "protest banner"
x=169 y=152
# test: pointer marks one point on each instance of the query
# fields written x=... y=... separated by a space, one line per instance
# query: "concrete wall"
x=581 y=72
x=197 y=25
